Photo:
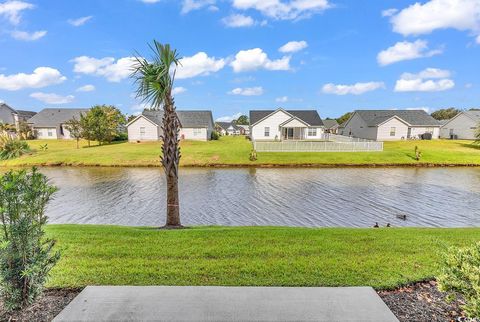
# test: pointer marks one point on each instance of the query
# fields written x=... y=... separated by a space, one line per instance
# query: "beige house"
x=280 y=125
x=194 y=125
x=385 y=125
x=462 y=126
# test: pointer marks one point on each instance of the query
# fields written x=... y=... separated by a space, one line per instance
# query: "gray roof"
x=54 y=117
x=308 y=116
x=475 y=114
x=330 y=124
x=412 y=117
x=25 y=115
x=226 y=125
x=188 y=119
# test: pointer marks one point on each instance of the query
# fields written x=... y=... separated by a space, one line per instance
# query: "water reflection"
x=287 y=197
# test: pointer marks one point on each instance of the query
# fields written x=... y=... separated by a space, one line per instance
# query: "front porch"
x=293 y=133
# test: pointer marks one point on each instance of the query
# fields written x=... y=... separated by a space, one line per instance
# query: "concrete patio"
x=197 y=303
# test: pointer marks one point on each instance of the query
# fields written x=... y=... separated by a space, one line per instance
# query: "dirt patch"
x=422 y=302
x=49 y=305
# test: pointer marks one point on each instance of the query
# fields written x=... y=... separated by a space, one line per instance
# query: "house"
x=383 y=125
x=283 y=124
x=8 y=115
x=194 y=125
x=228 y=128
x=331 y=126
x=462 y=126
x=49 y=123
x=244 y=129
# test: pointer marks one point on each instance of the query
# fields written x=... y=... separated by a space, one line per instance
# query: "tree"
x=102 y=123
x=445 y=113
x=242 y=120
x=131 y=117
x=74 y=126
x=342 y=119
x=154 y=79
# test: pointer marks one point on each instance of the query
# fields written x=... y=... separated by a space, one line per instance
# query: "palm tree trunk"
x=170 y=161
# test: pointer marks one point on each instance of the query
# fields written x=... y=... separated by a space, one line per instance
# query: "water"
x=438 y=197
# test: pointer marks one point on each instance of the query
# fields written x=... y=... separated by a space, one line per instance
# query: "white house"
x=462 y=126
x=285 y=125
x=244 y=129
x=11 y=116
x=384 y=125
x=49 y=122
x=194 y=125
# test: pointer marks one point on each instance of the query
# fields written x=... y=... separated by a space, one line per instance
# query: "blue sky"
x=331 y=55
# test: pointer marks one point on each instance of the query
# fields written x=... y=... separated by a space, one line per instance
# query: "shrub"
x=215 y=135
x=26 y=256
x=253 y=155
x=12 y=147
x=460 y=274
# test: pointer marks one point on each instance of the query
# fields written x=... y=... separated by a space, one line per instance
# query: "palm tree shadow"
x=472 y=145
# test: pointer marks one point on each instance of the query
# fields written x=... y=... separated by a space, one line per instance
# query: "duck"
x=388 y=225
x=376 y=225
x=402 y=216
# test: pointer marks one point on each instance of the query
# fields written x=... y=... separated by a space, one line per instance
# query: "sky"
x=334 y=56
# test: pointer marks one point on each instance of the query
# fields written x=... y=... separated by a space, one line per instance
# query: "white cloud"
x=229 y=118
x=150 y=1
x=51 y=98
x=79 y=21
x=284 y=10
x=254 y=59
x=478 y=39
x=282 y=99
x=420 y=19
x=389 y=12
x=198 y=65
x=28 y=36
x=41 y=77
x=86 y=88
x=113 y=71
x=405 y=50
x=238 y=21
x=179 y=90
x=247 y=91
x=428 y=80
x=12 y=10
x=190 y=5
x=293 y=46
x=355 y=89
x=426 y=109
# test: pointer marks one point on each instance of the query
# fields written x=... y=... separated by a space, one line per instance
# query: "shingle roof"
x=475 y=114
x=25 y=115
x=412 y=117
x=330 y=124
x=226 y=125
x=53 y=117
x=188 y=119
x=308 y=116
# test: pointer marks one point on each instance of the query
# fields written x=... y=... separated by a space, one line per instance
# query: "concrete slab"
x=164 y=303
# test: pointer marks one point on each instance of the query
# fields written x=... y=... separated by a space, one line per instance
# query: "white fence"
x=317 y=146
x=343 y=138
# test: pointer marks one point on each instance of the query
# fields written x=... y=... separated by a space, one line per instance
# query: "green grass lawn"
x=236 y=150
x=382 y=258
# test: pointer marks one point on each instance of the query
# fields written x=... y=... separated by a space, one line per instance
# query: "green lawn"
x=382 y=258
x=235 y=151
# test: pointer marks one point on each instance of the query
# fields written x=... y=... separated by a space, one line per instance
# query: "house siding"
x=152 y=132
x=42 y=133
x=383 y=131
x=417 y=131
x=273 y=122
x=197 y=134
x=462 y=125
x=357 y=127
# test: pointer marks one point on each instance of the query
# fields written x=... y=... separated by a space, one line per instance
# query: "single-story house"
x=49 y=123
x=281 y=125
x=462 y=126
x=244 y=129
x=11 y=116
x=228 y=128
x=331 y=126
x=383 y=125
x=194 y=125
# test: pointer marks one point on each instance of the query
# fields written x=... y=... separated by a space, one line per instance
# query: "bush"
x=215 y=135
x=26 y=256
x=122 y=136
x=12 y=147
x=461 y=275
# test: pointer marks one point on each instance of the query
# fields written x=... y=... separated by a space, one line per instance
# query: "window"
x=451 y=132
x=312 y=131
x=50 y=132
x=267 y=132
x=197 y=132
x=393 y=130
x=142 y=131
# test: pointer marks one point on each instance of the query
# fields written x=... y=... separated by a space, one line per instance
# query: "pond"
x=427 y=197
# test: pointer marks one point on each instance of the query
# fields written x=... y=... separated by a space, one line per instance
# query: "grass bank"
x=234 y=151
x=267 y=256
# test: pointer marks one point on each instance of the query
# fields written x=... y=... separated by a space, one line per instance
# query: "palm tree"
x=154 y=80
